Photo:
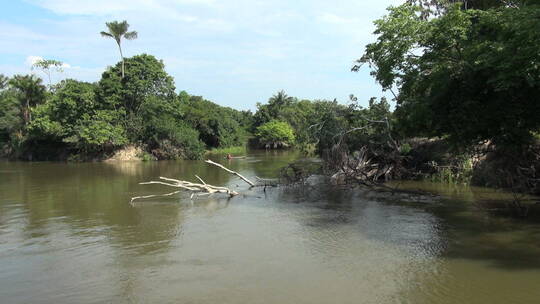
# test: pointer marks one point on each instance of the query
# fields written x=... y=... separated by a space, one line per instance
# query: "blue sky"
x=233 y=52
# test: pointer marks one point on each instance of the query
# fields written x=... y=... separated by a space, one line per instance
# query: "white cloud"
x=331 y=18
x=231 y=51
x=31 y=60
x=108 y=7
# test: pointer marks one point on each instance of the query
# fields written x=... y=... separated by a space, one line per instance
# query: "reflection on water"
x=69 y=235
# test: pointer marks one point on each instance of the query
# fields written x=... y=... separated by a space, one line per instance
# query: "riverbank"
x=419 y=159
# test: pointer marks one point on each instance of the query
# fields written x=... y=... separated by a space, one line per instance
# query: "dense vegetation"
x=91 y=120
x=464 y=73
x=472 y=75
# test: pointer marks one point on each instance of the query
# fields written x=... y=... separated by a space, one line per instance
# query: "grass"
x=461 y=173
x=229 y=150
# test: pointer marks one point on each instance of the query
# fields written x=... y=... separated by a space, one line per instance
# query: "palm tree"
x=280 y=99
x=30 y=92
x=117 y=30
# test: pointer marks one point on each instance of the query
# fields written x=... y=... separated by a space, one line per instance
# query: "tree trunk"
x=27 y=115
x=122 y=56
x=49 y=76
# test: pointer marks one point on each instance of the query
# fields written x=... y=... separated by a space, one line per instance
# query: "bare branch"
x=200 y=179
x=155 y=195
x=231 y=171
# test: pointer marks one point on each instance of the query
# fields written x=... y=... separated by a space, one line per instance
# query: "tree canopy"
x=92 y=119
x=472 y=75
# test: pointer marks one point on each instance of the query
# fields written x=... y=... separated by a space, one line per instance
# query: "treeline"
x=467 y=72
x=85 y=121
x=465 y=80
x=464 y=72
x=81 y=120
x=315 y=126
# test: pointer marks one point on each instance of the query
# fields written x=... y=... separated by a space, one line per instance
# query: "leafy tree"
x=46 y=65
x=218 y=126
x=146 y=78
x=471 y=75
x=99 y=132
x=165 y=133
x=10 y=118
x=73 y=117
x=271 y=110
x=30 y=92
x=118 y=30
x=275 y=134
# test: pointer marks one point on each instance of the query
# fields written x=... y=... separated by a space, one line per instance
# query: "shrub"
x=275 y=134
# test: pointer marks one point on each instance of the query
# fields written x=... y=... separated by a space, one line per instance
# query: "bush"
x=276 y=134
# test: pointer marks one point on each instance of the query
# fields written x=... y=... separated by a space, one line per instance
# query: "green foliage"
x=89 y=120
x=275 y=134
x=119 y=30
x=310 y=120
x=229 y=150
x=72 y=117
x=164 y=131
x=99 y=132
x=145 y=156
x=405 y=149
x=470 y=75
x=29 y=91
x=70 y=102
x=219 y=127
x=460 y=172
x=4 y=80
x=440 y=7
x=146 y=77
x=10 y=116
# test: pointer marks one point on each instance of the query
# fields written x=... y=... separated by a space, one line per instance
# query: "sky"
x=233 y=52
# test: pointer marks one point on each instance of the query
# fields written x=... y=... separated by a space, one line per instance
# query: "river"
x=68 y=234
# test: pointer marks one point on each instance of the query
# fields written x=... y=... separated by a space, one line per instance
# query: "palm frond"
x=131 y=35
x=105 y=34
x=117 y=28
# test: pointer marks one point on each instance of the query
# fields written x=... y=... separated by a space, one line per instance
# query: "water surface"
x=68 y=234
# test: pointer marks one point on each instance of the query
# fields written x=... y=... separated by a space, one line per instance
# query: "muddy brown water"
x=68 y=234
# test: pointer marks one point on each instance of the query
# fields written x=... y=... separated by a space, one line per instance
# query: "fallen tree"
x=197 y=189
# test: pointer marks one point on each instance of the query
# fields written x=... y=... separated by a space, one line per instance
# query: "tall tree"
x=470 y=75
x=30 y=92
x=117 y=31
x=46 y=65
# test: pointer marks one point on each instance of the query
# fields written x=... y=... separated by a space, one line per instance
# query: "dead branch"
x=267 y=182
x=231 y=171
x=155 y=195
x=203 y=188
x=198 y=189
